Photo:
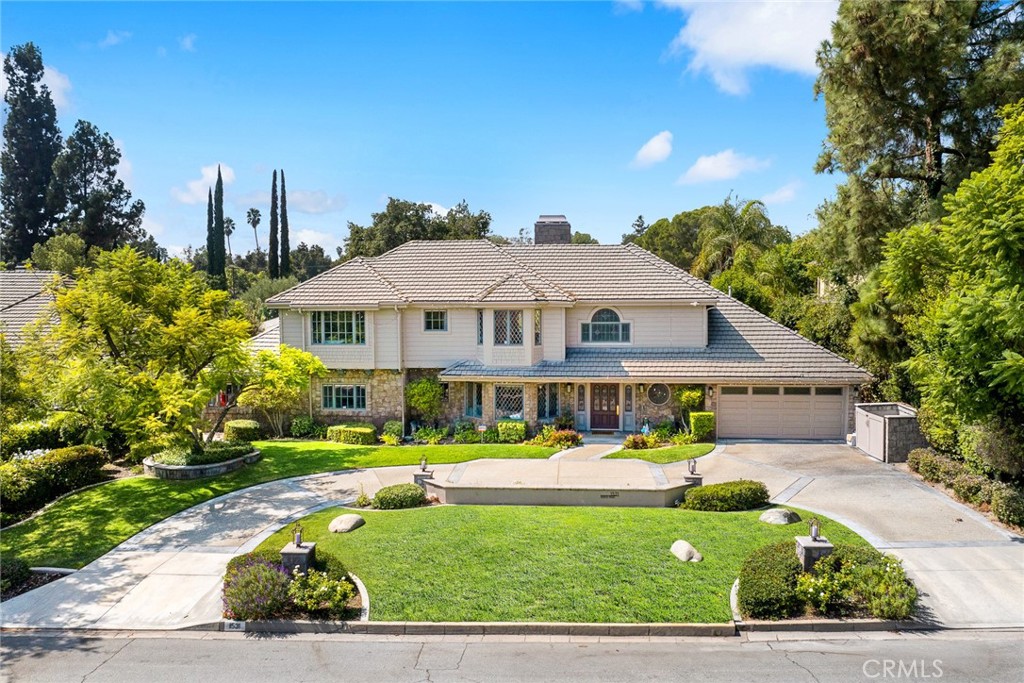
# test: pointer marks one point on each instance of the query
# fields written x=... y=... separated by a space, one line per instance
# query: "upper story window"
x=508 y=328
x=338 y=327
x=435 y=321
x=605 y=327
x=536 y=327
x=479 y=326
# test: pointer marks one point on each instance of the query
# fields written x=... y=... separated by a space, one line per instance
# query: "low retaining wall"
x=180 y=472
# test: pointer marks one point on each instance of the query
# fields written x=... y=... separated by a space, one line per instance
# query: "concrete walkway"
x=970 y=571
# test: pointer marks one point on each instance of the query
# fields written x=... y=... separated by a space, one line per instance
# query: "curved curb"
x=52 y=570
x=364 y=597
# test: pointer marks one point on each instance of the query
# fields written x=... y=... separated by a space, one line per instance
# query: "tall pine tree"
x=273 y=264
x=286 y=258
x=209 y=234
x=31 y=144
x=217 y=257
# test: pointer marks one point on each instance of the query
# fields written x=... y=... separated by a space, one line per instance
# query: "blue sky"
x=601 y=111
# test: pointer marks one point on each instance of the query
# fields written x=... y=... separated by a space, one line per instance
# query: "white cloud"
x=654 y=151
x=152 y=227
x=316 y=201
x=196 y=191
x=786 y=193
x=326 y=240
x=58 y=83
x=627 y=6
x=437 y=209
x=188 y=42
x=115 y=38
x=727 y=39
x=722 y=166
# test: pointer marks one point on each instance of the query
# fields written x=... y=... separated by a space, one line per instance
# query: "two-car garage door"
x=781 y=412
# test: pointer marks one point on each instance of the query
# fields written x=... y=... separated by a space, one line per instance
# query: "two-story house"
x=605 y=333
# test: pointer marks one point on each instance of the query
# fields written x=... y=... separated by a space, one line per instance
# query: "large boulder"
x=686 y=552
x=779 y=516
x=345 y=523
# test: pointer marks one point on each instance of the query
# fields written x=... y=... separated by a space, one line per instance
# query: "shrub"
x=29 y=436
x=975 y=489
x=394 y=428
x=563 y=438
x=934 y=467
x=993 y=446
x=1008 y=504
x=306 y=427
x=13 y=572
x=511 y=431
x=729 y=496
x=853 y=579
x=690 y=397
x=490 y=435
x=28 y=484
x=242 y=430
x=317 y=593
x=663 y=431
x=363 y=500
x=940 y=428
x=399 y=497
x=682 y=439
x=264 y=555
x=255 y=588
x=565 y=421
x=390 y=439
x=426 y=398
x=702 y=425
x=768 y=583
x=214 y=452
x=635 y=442
x=431 y=435
x=358 y=433
x=470 y=436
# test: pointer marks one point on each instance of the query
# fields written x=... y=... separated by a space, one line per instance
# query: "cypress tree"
x=286 y=259
x=209 y=234
x=31 y=144
x=272 y=260
x=217 y=257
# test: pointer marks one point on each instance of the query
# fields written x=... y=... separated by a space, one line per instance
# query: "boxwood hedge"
x=729 y=496
x=361 y=434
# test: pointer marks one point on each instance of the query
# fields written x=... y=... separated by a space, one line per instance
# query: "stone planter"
x=180 y=472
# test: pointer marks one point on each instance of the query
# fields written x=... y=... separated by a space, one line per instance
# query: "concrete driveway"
x=970 y=571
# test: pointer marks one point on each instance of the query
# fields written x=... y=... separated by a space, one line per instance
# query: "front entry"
x=604 y=406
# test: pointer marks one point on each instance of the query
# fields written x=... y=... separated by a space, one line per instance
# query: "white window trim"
x=590 y=319
x=366 y=393
x=447 y=321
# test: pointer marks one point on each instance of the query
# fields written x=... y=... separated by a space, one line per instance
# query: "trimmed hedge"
x=242 y=430
x=399 y=497
x=702 y=425
x=358 y=433
x=511 y=431
x=768 y=583
x=306 y=427
x=216 y=451
x=729 y=496
x=1007 y=501
x=28 y=484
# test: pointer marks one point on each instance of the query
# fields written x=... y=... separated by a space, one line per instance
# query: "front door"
x=604 y=406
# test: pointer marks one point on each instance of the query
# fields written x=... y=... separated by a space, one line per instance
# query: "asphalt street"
x=166 y=657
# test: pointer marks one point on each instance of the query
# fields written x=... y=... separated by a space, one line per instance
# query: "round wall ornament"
x=658 y=394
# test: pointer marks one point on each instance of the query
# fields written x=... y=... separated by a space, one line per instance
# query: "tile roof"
x=267 y=338
x=22 y=300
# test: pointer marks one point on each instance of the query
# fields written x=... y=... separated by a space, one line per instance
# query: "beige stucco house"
x=605 y=333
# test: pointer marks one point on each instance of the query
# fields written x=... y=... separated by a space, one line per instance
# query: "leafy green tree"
x=674 y=240
x=85 y=195
x=459 y=223
x=285 y=268
x=31 y=144
x=63 y=253
x=729 y=226
x=583 y=238
x=402 y=221
x=252 y=217
x=273 y=260
x=133 y=347
x=309 y=260
x=639 y=227
x=261 y=289
x=426 y=399
x=278 y=383
x=19 y=397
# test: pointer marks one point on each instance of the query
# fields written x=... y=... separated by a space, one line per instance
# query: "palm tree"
x=229 y=227
x=728 y=227
x=252 y=217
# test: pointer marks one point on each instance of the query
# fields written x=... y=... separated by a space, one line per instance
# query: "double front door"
x=604 y=406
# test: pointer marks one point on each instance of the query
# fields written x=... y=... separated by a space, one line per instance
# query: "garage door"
x=781 y=412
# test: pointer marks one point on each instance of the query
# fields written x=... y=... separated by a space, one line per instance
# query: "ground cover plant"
x=664 y=456
x=509 y=563
x=87 y=524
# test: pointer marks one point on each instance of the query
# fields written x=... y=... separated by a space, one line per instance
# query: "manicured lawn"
x=664 y=456
x=84 y=526
x=483 y=563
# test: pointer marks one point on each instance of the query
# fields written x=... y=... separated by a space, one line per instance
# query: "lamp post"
x=815 y=529
x=423 y=463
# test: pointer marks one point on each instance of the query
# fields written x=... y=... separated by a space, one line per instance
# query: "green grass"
x=85 y=525
x=484 y=563
x=663 y=456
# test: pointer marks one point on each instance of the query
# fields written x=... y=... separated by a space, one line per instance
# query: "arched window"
x=605 y=327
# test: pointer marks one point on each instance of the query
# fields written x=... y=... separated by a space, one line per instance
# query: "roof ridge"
x=661 y=263
x=511 y=257
x=486 y=291
x=383 y=280
x=314 y=278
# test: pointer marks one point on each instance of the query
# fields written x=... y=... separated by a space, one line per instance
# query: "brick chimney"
x=552 y=230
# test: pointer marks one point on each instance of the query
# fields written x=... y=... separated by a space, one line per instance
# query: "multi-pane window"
x=508 y=328
x=479 y=326
x=343 y=397
x=508 y=401
x=474 y=399
x=547 y=401
x=536 y=327
x=338 y=327
x=435 y=321
x=605 y=327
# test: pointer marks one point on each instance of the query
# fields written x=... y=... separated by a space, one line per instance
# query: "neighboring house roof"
x=23 y=300
x=479 y=271
x=267 y=337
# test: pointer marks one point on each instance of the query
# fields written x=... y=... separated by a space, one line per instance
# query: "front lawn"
x=505 y=563
x=85 y=525
x=663 y=456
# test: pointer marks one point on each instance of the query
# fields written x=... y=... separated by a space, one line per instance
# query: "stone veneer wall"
x=385 y=396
